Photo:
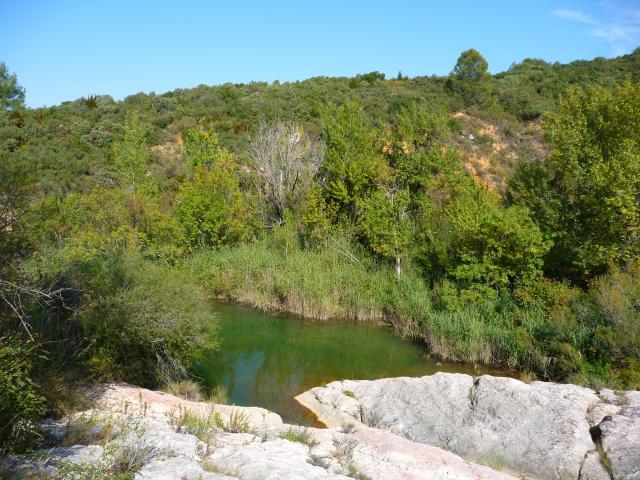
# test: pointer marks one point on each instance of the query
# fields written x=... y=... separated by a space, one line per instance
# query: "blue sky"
x=62 y=50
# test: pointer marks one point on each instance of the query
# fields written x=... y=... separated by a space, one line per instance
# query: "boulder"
x=542 y=429
x=126 y=399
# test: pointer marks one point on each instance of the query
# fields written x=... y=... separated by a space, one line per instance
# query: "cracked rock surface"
x=143 y=430
x=539 y=430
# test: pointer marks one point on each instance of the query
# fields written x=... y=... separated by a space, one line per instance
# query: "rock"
x=539 y=429
x=127 y=399
x=619 y=436
x=47 y=463
x=77 y=454
x=379 y=455
x=592 y=468
x=274 y=459
x=177 y=468
x=505 y=423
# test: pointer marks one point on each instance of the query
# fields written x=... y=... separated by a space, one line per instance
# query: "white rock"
x=540 y=429
x=177 y=468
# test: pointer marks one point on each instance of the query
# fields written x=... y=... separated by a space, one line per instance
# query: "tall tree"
x=11 y=93
x=471 y=79
x=384 y=220
x=131 y=156
x=587 y=193
x=211 y=208
x=353 y=160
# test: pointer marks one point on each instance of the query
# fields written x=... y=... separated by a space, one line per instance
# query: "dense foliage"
x=493 y=217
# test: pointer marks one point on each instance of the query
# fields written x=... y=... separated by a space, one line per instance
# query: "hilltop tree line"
x=328 y=197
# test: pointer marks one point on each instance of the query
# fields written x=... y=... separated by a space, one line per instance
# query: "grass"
x=319 y=284
x=219 y=395
x=339 y=281
x=204 y=426
x=300 y=435
x=89 y=429
x=548 y=330
x=124 y=452
x=187 y=389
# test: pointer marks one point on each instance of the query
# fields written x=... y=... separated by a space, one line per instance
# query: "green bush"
x=21 y=405
x=132 y=319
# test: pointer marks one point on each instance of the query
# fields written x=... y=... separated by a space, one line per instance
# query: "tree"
x=585 y=195
x=286 y=161
x=384 y=220
x=211 y=208
x=353 y=160
x=16 y=290
x=200 y=147
x=131 y=156
x=11 y=93
x=470 y=67
x=471 y=79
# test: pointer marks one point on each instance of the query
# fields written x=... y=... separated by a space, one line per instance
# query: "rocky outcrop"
x=152 y=435
x=540 y=430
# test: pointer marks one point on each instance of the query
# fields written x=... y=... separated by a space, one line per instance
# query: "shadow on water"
x=267 y=359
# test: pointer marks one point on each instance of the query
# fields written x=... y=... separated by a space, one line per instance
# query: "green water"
x=266 y=360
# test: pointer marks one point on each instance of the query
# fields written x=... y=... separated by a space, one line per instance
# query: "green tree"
x=586 y=194
x=200 y=147
x=21 y=405
x=11 y=93
x=470 y=67
x=471 y=79
x=211 y=208
x=385 y=222
x=353 y=160
x=131 y=156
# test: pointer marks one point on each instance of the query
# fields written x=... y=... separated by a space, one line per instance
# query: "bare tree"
x=285 y=159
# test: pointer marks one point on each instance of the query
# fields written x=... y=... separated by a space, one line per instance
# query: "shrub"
x=300 y=435
x=132 y=319
x=21 y=405
x=187 y=389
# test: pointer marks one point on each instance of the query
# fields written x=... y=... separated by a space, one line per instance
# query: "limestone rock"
x=273 y=459
x=592 y=468
x=177 y=468
x=540 y=429
x=126 y=399
x=379 y=455
x=620 y=439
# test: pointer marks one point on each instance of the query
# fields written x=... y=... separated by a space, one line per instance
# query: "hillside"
x=492 y=218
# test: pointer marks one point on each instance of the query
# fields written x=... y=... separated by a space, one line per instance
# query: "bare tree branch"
x=286 y=161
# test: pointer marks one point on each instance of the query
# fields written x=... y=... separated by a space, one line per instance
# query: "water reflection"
x=266 y=360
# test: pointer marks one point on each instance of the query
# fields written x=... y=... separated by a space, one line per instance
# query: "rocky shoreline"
x=444 y=426
x=539 y=430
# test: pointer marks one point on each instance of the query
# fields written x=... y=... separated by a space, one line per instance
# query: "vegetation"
x=493 y=217
x=299 y=434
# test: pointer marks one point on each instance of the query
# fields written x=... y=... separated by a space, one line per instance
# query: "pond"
x=267 y=359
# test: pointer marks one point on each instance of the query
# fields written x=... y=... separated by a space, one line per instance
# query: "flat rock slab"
x=165 y=452
x=541 y=430
x=129 y=399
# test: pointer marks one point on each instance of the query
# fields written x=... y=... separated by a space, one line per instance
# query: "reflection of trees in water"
x=267 y=361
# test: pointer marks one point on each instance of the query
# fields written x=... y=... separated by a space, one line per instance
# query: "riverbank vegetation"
x=494 y=217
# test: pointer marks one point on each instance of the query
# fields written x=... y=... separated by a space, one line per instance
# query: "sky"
x=63 y=50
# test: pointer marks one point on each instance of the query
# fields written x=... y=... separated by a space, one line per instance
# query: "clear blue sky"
x=62 y=50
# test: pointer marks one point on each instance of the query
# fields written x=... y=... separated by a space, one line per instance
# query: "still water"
x=267 y=359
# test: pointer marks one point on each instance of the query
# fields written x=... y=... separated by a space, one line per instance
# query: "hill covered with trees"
x=496 y=218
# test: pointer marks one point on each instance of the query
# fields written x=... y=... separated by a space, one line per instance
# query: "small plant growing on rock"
x=187 y=389
x=202 y=426
x=238 y=422
x=219 y=395
x=300 y=435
